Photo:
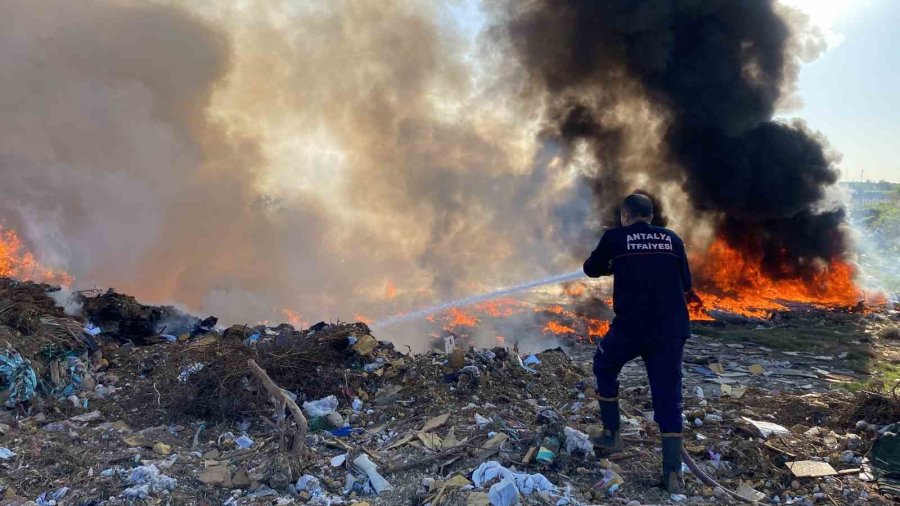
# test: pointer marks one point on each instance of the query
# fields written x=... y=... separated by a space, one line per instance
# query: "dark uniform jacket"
x=651 y=276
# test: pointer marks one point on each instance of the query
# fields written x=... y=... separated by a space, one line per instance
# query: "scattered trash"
x=321 y=407
x=810 y=469
x=162 y=449
x=87 y=417
x=422 y=419
x=186 y=373
x=379 y=484
x=767 y=429
x=364 y=344
x=577 y=441
x=526 y=484
x=504 y=493
x=748 y=492
x=532 y=360
x=18 y=377
x=53 y=499
x=610 y=482
x=548 y=449
x=481 y=421
x=147 y=481
x=435 y=422
x=243 y=442
x=449 y=344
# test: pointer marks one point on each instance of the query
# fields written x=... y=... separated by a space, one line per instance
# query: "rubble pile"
x=133 y=404
x=124 y=318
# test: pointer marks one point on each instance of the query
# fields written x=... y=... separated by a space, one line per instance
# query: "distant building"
x=869 y=193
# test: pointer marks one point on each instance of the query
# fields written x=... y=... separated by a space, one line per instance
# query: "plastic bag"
x=321 y=407
x=18 y=377
x=578 y=441
x=504 y=493
x=147 y=480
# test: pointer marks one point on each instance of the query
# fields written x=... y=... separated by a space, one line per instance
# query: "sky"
x=852 y=92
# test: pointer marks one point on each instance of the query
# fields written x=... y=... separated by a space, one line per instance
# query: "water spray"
x=474 y=299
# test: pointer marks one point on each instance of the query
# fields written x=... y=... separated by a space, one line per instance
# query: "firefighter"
x=651 y=291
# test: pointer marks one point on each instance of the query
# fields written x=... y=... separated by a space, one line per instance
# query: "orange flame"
x=501 y=308
x=555 y=310
x=597 y=329
x=734 y=282
x=456 y=317
x=363 y=319
x=390 y=291
x=17 y=262
x=553 y=327
x=294 y=318
x=574 y=289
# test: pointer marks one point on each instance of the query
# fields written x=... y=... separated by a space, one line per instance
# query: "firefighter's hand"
x=693 y=299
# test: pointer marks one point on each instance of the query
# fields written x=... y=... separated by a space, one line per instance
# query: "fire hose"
x=705 y=478
x=701 y=475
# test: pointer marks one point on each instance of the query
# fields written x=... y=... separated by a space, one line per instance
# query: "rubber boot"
x=610 y=440
x=673 y=479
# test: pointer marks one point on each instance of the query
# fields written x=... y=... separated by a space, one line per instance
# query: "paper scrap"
x=435 y=422
x=810 y=469
x=767 y=429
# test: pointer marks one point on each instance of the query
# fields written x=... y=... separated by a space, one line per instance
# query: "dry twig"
x=281 y=398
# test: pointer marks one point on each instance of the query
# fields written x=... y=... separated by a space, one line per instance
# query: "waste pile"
x=134 y=404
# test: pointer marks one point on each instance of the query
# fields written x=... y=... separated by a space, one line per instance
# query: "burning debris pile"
x=118 y=413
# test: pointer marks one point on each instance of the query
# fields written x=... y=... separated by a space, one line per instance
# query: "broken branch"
x=282 y=397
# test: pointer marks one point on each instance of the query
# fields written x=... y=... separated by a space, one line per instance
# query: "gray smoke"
x=240 y=159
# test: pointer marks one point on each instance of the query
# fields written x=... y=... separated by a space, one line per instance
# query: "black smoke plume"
x=714 y=70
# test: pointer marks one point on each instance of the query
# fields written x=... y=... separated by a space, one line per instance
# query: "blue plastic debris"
x=77 y=370
x=342 y=431
x=48 y=499
x=243 y=442
x=532 y=360
x=18 y=377
x=374 y=366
